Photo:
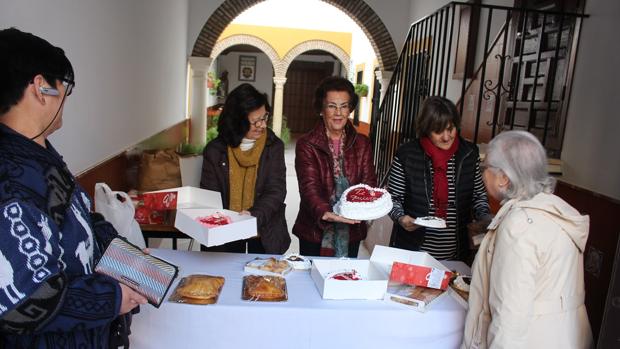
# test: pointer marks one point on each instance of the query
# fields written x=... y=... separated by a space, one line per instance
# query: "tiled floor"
x=292 y=207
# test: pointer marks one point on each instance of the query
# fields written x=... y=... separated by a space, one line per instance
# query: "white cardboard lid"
x=192 y=197
x=383 y=257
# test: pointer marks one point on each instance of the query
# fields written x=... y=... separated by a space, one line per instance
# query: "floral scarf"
x=335 y=242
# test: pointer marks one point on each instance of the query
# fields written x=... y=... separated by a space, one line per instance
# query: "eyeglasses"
x=69 y=85
x=342 y=108
x=264 y=119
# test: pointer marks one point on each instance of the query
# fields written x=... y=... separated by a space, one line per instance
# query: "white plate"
x=430 y=222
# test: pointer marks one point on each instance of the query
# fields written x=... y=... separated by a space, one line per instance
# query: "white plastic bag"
x=117 y=208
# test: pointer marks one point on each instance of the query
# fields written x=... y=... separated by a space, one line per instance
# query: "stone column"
x=278 y=102
x=384 y=77
x=198 y=98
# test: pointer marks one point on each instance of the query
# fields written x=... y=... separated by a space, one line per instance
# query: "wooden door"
x=302 y=79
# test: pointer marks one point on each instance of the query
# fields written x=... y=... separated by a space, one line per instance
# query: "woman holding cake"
x=245 y=163
x=437 y=174
x=527 y=288
x=328 y=160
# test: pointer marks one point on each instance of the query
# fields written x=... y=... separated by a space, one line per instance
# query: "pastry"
x=198 y=289
x=362 y=202
x=264 y=288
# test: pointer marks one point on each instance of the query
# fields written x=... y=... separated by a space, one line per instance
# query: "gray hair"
x=523 y=160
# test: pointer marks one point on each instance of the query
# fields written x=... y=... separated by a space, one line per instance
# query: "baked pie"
x=264 y=288
x=198 y=289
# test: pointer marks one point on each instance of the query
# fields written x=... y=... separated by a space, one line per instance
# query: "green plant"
x=190 y=149
x=285 y=135
x=361 y=90
x=213 y=83
x=211 y=133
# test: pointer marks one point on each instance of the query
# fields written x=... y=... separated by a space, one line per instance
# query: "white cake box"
x=195 y=202
x=372 y=286
x=241 y=227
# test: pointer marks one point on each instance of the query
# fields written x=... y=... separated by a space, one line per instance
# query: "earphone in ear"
x=50 y=91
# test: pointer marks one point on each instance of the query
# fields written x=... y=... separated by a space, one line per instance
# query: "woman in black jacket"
x=437 y=174
x=245 y=163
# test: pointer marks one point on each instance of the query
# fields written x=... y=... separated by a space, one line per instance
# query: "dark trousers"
x=307 y=248
x=253 y=246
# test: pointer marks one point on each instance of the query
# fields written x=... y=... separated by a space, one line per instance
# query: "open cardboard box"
x=372 y=286
x=397 y=292
x=242 y=226
x=192 y=203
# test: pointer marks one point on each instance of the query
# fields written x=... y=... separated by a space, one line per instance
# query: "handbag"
x=148 y=275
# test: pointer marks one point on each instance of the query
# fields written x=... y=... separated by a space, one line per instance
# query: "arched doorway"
x=305 y=66
x=359 y=11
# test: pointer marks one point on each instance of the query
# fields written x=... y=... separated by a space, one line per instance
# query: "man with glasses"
x=50 y=239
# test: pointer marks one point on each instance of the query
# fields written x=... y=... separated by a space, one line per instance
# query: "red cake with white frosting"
x=362 y=202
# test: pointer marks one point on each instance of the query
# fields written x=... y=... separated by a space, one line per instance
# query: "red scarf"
x=440 y=159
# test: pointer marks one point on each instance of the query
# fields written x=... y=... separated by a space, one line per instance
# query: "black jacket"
x=270 y=190
x=419 y=191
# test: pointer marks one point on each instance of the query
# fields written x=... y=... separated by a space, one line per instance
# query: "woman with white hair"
x=527 y=286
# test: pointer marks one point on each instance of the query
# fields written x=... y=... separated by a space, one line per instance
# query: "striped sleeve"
x=396 y=188
x=480 y=201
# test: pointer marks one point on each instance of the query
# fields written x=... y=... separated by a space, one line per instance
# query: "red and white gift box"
x=420 y=275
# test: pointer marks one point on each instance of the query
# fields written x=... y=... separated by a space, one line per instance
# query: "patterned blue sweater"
x=49 y=296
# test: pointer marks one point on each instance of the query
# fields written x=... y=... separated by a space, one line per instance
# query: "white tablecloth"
x=304 y=321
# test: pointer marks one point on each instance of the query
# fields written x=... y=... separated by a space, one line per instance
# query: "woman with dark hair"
x=245 y=163
x=329 y=159
x=437 y=174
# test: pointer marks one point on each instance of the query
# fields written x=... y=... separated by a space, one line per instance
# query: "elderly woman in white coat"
x=527 y=286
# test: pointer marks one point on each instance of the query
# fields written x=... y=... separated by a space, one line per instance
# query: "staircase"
x=524 y=58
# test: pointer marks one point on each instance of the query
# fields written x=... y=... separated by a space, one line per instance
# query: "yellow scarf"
x=243 y=167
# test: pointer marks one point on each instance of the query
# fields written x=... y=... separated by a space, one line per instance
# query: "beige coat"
x=527 y=286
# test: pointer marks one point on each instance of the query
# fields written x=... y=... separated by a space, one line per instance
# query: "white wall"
x=130 y=64
x=591 y=140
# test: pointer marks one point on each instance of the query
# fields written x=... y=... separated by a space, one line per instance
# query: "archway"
x=359 y=11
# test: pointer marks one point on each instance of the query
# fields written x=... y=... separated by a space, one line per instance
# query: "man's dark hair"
x=334 y=83
x=22 y=57
x=233 y=123
x=436 y=114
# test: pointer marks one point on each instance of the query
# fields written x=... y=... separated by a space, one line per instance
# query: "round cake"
x=362 y=202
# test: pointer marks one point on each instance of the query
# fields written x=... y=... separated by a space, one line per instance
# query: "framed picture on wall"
x=247 y=68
